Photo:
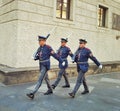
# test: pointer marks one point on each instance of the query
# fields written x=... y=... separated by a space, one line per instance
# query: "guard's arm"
x=70 y=53
x=55 y=55
x=93 y=58
x=74 y=58
x=36 y=55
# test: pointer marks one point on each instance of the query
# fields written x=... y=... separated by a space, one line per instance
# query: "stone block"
x=11 y=79
x=118 y=67
x=49 y=3
x=90 y=71
x=8 y=38
x=73 y=72
x=81 y=4
x=27 y=6
x=23 y=15
x=91 y=7
x=52 y=75
x=69 y=73
x=44 y=10
x=107 y=69
x=39 y=2
x=114 y=68
x=9 y=16
x=78 y=11
x=81 y=18
x=35 y=17
x=91 y=21
x=6 y=1
x=1 y=77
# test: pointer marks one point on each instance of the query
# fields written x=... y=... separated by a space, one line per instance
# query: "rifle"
x=51 y=32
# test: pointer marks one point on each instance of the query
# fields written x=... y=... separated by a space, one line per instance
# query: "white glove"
x=32 y=57
x=100 y=66
x=63 y=64
x=72 y=61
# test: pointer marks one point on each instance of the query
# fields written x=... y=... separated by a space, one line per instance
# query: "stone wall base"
x=10 y=75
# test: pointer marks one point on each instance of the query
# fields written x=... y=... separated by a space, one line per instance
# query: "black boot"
x=53 y=86
x=30 y=95
x=72 y=95
x=48 y=92
x=85 y=92
x=66 y=86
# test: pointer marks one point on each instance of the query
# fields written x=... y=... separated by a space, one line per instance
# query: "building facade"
x=21 y=21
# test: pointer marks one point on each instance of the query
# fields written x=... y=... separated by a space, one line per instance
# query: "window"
x=63 y=9
x=116 y=21
x=102 y=16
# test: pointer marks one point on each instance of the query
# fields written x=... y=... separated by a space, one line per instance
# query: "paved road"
x=104 y=96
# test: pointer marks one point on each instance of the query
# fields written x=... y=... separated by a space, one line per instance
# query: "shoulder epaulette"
x=48 y=46
x=67 y=47
x=87 y=48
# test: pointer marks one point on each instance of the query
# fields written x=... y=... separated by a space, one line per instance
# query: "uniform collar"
x=81 y=48
x=63 y=46
x=43 y=45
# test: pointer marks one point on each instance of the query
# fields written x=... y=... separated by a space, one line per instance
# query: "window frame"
x=104 y=17
x=68 y=11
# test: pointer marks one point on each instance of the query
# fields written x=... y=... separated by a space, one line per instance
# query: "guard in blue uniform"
x=43 y=55
x=81 y=57
x=63 y=53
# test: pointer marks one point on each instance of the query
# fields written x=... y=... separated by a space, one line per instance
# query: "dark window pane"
x=63 y=9
x=59 y=0
x=64 y=14
x=58 y=5
x=58 y=14
x=102 y=16
x=65 y=1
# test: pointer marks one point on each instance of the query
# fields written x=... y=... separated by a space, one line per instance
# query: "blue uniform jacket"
x=81 y=58
x=43 y=55
x=63 y=53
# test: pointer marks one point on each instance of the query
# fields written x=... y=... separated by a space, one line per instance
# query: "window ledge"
x=63 y=21
x=102 y=28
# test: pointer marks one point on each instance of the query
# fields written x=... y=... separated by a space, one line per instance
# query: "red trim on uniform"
x=48 y=46
x=67 y=47
x=87 y=48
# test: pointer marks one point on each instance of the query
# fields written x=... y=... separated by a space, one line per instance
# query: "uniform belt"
x=64 y=59
x=81 y=62
x=44 y=60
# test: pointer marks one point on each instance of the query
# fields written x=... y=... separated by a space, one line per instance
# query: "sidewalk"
x=104 y=96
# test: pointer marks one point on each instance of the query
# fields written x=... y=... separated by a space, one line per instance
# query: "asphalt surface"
x=104 y=96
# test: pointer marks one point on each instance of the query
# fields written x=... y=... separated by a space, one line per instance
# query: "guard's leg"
x=86 y=90
x=67 y=84
x=78 y=83
x=48 y=85
x=40 y=80
x=41 y=77
x=58 y=78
